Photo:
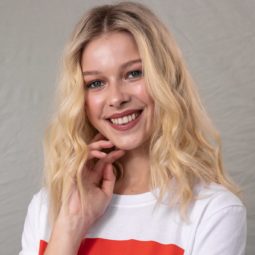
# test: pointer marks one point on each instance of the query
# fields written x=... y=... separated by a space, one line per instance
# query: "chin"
x=123 y=146
x=128 y=145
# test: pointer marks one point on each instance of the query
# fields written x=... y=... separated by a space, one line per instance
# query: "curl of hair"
x=184 y=146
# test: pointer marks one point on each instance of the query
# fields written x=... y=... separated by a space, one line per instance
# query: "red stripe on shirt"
x=99 y=246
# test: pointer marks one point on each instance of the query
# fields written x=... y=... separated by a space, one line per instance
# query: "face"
x=117 y=102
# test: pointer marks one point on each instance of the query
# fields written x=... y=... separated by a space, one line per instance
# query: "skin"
x=114 y=83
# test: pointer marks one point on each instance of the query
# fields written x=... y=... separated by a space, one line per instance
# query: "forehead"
x=110 y=48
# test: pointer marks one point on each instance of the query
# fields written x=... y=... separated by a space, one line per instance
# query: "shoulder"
x=36 y=225
x=218 y=208
x=38 y=212
x=41 y=196
x=220 y=220
x=39 y=200
x=215 y=197
x=38 y=207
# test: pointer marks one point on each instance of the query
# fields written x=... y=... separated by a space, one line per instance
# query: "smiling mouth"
x=121 y=121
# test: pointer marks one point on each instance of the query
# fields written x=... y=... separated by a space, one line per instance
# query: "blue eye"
x=134 y=74
x=94 y=84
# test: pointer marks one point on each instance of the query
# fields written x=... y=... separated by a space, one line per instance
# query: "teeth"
x=124 y=120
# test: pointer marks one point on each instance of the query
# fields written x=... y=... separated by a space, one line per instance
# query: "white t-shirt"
x=135 y=225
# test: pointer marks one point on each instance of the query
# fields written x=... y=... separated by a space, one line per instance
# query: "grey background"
x=217 y=38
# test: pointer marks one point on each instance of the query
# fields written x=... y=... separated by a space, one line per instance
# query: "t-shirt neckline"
x=134 y=199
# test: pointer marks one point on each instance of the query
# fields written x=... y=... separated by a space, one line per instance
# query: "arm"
x=73 y=221
x=223 y=232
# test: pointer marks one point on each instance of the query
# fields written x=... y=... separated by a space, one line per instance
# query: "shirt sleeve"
x=223 y=232
x=29 y=242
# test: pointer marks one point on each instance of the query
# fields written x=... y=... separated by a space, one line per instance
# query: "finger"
x=96 y=154
x=99 y=145
x=114 y=155
x=93 y=173
x=108 y=181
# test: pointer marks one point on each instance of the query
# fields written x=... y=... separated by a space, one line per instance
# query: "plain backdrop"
x=217 y=38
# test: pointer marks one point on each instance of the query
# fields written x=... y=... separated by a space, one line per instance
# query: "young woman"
x=133 y=164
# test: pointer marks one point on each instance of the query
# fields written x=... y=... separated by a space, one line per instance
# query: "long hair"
x=184 y=146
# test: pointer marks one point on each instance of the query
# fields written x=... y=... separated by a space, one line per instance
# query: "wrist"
x=63 y=241
x=71 y=230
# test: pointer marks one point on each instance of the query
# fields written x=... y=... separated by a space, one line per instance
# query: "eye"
x=134 y=74
x=94 y=84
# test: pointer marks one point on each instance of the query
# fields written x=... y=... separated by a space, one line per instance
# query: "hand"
x=99 y=181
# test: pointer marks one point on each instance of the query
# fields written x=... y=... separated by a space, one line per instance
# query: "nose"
x=118 y=95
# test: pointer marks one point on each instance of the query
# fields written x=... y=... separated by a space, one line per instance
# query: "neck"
x=135 y=177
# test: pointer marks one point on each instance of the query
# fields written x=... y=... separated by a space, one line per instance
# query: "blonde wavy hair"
x=184 y=145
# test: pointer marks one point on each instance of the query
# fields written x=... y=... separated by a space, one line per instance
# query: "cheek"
x=93 y=107
x=141 y=93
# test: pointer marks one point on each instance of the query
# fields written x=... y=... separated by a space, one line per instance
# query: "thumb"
x=109 y=179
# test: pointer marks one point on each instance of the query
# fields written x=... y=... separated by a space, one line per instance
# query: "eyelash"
x=91 y=84
x=94 y=84
x=135 y=71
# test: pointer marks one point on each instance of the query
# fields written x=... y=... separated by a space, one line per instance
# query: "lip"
x=127 y=126
x=122 y=114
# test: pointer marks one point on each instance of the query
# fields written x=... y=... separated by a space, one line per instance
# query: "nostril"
x=118 y=101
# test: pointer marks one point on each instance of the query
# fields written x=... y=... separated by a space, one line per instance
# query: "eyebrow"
x=123 y=66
